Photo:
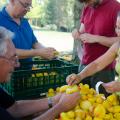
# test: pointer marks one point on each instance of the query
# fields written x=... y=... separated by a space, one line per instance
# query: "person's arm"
x=51 y=113
x=22 y=54
x=101 y=62
x=112 y=87
x=47 y=53
x=107 y=41
x=38 y=45
x=76 y=32
x=66 y=102
x=103 y=40
x=95 y=66
x=28 y=107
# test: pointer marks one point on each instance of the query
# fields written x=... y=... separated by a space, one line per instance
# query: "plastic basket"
x=28 y=84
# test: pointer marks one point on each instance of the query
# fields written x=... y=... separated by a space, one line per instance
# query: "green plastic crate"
x=29 y=84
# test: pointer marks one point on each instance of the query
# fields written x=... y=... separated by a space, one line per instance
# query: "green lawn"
x=62 y=41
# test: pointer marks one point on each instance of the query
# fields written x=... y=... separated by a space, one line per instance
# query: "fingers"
x=52 y=53
x=75 y=34
x=71 y=79
x=108 y=87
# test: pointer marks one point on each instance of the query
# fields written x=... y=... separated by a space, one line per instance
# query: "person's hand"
x=88 y=38
x=76 y=34
x=73 y=79
x=112 y=87
x=56 y=98
x=68 y=101
x=47 y=53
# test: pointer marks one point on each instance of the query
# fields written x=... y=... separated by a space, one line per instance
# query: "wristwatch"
x=50 y=102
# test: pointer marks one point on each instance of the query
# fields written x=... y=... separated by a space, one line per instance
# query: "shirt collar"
x=5 y=13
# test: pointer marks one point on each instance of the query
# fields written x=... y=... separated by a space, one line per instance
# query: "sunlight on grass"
x=61 y=41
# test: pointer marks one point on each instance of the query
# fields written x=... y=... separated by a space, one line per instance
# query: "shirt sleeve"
x=5 y=99
x=82 y=16
x=83 y=13
x=34 y=39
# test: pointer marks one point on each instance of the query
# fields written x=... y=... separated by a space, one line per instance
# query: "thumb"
x=106 y=84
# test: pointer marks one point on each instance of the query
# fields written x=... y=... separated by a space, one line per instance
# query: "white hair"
x=5 y=35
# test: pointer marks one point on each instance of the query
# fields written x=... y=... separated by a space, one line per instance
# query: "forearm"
x=38 y=45
x=22 y=54
x=101 y=62
x=106 y=41
x=82 y=28
x=52 y=113
x=94 y=67
x=28 y=107
x=26 y=53
x=89 y=70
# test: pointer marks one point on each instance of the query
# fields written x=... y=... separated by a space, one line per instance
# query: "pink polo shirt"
x=99 y=21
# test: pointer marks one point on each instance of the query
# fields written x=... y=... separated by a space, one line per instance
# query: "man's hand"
x=112 y=87
x=88 y=38
x=76 y=34
x=73 y=79
x=47 y=53
x=68 y=101
x=56 y=98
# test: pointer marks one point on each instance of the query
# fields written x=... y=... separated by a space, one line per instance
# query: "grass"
x=61 y=41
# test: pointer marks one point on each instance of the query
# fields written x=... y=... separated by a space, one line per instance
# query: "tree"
x=60 y=12
x=36 y=12
x=2 y=3
x=77 y=12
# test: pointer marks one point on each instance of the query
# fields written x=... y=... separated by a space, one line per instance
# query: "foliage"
x=2 y=3
x=60 y=12
x=44 y=12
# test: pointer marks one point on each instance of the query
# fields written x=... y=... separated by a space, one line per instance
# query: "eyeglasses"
x=13 y=60
x=26 y=5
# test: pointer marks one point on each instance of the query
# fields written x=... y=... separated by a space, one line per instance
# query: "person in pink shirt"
x=97 y=33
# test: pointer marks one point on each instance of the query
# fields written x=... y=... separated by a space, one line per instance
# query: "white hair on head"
x=5 y=35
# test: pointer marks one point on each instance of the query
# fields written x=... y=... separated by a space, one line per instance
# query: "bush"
x=50 y=27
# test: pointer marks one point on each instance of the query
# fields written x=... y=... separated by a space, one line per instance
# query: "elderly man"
x=27 y=46
x=11 y=109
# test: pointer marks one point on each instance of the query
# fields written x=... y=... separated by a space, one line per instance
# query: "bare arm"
x=107 y=41
x=66 y=102
x=90 y=38
x=103 y=40
x=82 y=28
x=51 y=113
x=28 y=107
x=95 y=66
x=22 y=53
x=38 y=45
x=76 y=33
x=26 y=53
x=60 y=104
x=101 y=62
x=39 y=50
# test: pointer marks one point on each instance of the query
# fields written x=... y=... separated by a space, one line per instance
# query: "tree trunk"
x=77 y=12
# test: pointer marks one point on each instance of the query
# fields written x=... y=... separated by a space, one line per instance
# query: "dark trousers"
x=104 y=76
